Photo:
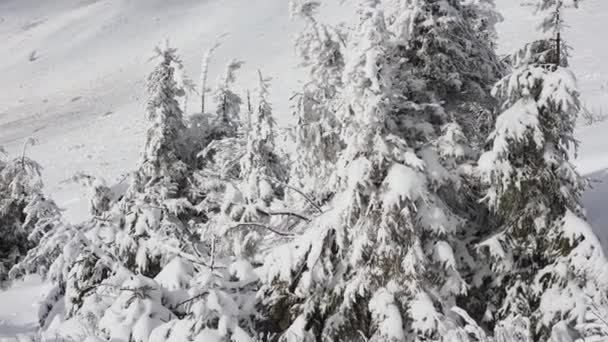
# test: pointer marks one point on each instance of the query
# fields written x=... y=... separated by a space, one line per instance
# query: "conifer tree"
x=484 y=16
x=142 y=267
x=448 y=62
x=157 y=206
x=25 y=211
x=257 y=188
x=228 y=102
x=205 y=75
x=316 y=133
x=379 y=263
x=161 y=158
x=261 y=168
x=546 y=265
x=135 y=236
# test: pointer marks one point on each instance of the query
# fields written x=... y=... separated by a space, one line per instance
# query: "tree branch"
x=258 y=225
x=308 y=199
x=191 y=299
x=283 y=213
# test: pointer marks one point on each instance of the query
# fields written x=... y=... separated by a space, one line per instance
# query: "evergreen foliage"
x=316 y=134
x=380 y=262
x=26 y=214
x=545 y=263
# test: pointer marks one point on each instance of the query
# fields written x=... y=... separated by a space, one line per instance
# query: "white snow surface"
x=19 y=308
x=73 y=76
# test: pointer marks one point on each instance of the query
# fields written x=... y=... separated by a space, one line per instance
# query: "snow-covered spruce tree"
x=210 y=289
x=484 y=17
x=75 y=258
x=316 y=133
x=205 y=75
x=227 y=101
x=446 y=69
x=25 y=212
x=157 y=207
x=252 y=177
x=161 y=156
x=128 y=242
x=378 y=264
x=242 y=177
x=448 y=61
x=242 y=173
x=546 y=267
x=262 y=171
x=214 y=300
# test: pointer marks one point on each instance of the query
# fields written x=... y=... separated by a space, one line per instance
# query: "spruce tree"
x=379 y=263
x=161 y=162
x=228 y=102
x=484 y=16
x=261 y=169
x=316 y=132
x=447 y=67
x=545 y=265
x=26 y=214
x=157 y=206
x=142 y=262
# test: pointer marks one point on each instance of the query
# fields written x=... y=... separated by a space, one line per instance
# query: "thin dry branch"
x=258 y=225
x=284 y=213
x=308 y=199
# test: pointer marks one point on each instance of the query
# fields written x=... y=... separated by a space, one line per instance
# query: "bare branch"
x=193 y=259
x=200 y=295
x=308 y=199
x=258 y=225
x=283 y=213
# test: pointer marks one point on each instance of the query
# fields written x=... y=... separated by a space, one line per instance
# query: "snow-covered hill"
x=73 y=71
x=593 y=162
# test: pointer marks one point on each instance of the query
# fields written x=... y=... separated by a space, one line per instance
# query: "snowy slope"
x=593 y=162
x=73 y=73
x=82 y=95
x=19 y=309
x=73 y=70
